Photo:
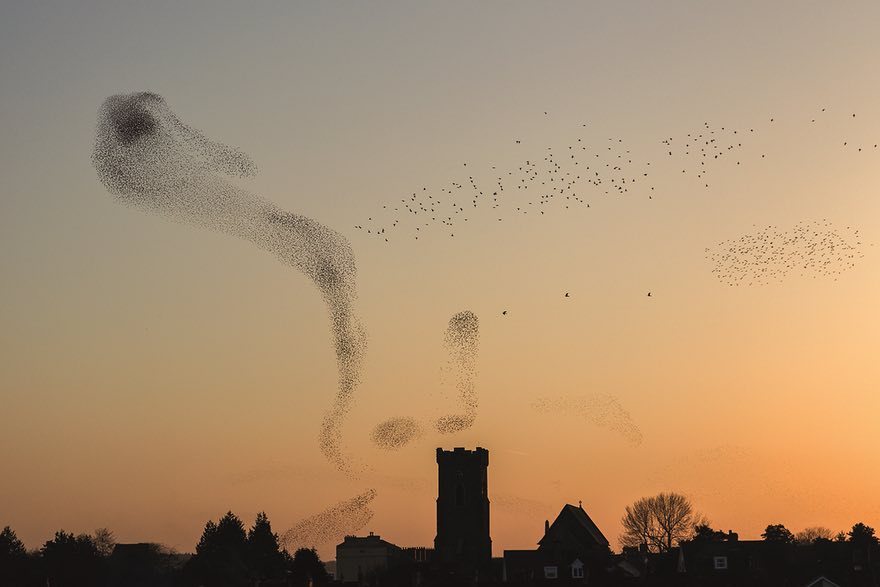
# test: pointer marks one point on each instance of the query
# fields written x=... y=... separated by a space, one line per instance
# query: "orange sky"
x=153 y=376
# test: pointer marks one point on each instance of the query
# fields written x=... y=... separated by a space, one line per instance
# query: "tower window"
x=459 y=495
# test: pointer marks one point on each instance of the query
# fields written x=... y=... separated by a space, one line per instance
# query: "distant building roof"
x=822 y=582
x=577 y=515
x=372 y=540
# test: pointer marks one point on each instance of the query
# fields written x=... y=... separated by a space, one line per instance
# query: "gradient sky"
x=153 y=376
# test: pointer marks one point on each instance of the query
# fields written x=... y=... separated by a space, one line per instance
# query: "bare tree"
x=639 y=525
x=659 y=522
x=814 y=533
x=674 y=514
x=104 y=541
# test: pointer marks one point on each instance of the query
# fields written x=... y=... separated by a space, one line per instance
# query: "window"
x=720 y=562
x=577 y=570
x=551 y=572
x=459 y=495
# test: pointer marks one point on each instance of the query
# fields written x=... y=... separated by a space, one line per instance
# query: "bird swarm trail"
x=150 y=160
x=600 y=409
x=395 y=433
x=343 y=519
x=809 y=249
x=462 y=341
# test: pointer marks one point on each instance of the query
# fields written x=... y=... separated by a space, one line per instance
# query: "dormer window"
x=577 y=569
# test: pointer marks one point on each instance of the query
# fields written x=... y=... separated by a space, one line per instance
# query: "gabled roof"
x=579 y=517
x=822 y=582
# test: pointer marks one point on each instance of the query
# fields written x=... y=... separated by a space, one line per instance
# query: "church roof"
x=576 y=516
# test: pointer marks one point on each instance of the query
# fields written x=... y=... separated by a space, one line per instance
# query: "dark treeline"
x=227 y=555
x=664 y=544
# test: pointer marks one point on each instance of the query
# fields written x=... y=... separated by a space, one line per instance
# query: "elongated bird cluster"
x=149 y=159
x=462 y=342
x=770 y=254
x=331 y=525
x=601 y=410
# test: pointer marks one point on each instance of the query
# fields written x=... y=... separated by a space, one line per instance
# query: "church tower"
x=463 y=507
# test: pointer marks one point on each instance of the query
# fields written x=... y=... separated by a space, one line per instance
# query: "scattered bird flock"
x=602 y=410
x=564 y=177
x=567 y=177
x=770 y=254
x=571 y=176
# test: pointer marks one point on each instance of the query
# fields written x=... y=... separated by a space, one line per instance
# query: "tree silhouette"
x=307 y=570
x=72 y=561
x=639 y=525
x=104 y=541
x=862 y=534
x=778 y=533
x=220 y=559
x=814 y=534
x=659 y=522
x=705 y=533
x=265 y=560
x=13 y=559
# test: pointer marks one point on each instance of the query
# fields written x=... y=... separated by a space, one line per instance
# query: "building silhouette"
x=359 y=558
x=463 y=507
x=572 y=551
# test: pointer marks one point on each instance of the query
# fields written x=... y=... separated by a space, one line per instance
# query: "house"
x=359 y=558
x=727 y=561
x=572 y=550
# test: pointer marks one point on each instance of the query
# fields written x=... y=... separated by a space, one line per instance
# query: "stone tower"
x=463 y=507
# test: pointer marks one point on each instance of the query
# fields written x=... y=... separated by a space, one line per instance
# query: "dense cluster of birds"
x=770 y=254
x=462 y=341
x=395 y=433
x=601 y=410
x=343 y=519
x=150 y=160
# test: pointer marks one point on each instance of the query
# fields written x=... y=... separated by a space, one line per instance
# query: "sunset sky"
x=154 y=375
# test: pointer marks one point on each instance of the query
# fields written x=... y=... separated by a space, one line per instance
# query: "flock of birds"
x=573 y=175
x=565 y=178
x=810 y=249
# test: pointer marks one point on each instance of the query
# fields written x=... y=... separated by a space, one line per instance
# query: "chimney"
x=546 y=526
x=732 y=536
